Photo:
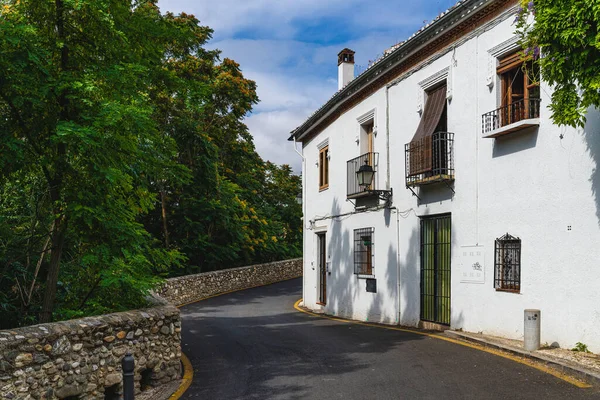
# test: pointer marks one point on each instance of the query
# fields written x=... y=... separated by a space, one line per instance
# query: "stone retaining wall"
x=81 y=359
x=190 y=288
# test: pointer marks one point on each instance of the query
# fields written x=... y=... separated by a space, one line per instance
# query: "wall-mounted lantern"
x=364 y=176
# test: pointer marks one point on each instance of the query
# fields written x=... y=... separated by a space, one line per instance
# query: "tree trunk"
x=55 y=182
x=163 y=202
x=58 y=241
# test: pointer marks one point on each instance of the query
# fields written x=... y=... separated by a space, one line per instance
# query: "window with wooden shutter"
x=421 y=148
x=519 y=90
x=324 y=168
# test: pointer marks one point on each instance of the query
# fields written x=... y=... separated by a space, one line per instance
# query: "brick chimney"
x=345 y=67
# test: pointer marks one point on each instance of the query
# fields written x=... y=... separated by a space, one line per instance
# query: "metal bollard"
x=128 y=364
x=532 y=329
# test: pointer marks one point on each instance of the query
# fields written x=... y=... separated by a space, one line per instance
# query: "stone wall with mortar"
x=190 y=288
x=81 y=359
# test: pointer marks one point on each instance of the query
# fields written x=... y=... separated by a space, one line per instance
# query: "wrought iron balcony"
x=430 y=159
x=519 y=115
x=354 y=189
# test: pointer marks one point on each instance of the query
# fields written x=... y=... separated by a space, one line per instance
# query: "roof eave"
x=409 y=47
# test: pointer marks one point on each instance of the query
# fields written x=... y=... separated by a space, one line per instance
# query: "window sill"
x=514 y=127
x=365 y=276
x=515 y=291
x=324 y=188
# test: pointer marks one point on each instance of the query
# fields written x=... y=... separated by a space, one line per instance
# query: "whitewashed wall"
x=532 y=184
x=346 y=292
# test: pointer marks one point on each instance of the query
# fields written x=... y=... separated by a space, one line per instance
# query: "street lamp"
x=364 y=176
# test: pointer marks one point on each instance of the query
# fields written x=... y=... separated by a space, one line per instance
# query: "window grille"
x=507 y=264
x=363 y=251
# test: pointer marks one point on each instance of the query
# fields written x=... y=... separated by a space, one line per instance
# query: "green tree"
x=124 y=156
x=567 y=34
x=222 y=216
x=74 y=79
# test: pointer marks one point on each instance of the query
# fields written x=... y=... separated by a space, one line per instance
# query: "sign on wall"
x=472 y=264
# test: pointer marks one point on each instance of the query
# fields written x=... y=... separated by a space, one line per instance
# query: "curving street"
x=253 y=344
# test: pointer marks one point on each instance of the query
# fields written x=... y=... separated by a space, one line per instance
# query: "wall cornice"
x=447 y=29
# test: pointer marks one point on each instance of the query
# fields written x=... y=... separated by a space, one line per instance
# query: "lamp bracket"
x=385 y=195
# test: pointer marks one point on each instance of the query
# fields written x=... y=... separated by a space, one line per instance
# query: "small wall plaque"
x=472 y=264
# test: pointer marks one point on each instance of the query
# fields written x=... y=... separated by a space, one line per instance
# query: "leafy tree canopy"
x=124 y=157
x=566 y=35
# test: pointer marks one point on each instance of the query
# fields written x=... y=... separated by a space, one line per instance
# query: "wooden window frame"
x=324 y=168
x=507 y=67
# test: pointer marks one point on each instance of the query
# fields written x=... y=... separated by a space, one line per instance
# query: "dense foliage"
x=566 y=35
x=124 y=159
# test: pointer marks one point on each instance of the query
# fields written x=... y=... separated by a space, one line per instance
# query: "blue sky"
x=289 y=47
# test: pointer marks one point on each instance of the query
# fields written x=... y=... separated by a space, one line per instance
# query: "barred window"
x=507 y=264
x=363 y=251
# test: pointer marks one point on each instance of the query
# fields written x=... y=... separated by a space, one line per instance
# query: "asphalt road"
x=254 y=345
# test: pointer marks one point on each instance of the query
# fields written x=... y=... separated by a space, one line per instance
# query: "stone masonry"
x=190 y=288
x=81 y=359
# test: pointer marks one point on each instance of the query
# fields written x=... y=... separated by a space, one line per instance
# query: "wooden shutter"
x=420 y=147
x=510 y=62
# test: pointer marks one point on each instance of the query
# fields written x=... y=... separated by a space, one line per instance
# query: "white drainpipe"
x=303 y=216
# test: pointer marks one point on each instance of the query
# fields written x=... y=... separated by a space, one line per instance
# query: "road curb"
x=186 y=381
x=518 y=358
x=578 y=372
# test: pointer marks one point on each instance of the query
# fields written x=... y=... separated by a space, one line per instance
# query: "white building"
x=500 y=215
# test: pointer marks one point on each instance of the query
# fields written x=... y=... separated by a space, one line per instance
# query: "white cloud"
x=289 y=47
x=271 y=130
x=229 y=16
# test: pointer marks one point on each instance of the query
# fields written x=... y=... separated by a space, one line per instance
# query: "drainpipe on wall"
x=387 y=135
x=398 y=265
x=303 y=215
x=388 y=186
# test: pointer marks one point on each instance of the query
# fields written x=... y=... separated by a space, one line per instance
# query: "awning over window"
x=421 y=146
x=434 y=108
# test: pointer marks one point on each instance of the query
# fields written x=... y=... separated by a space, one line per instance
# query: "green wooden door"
x=435 y=269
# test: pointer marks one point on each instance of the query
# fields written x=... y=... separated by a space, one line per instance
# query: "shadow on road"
x=253 y=344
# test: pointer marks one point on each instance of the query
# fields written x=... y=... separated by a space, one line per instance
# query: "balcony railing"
x=522 y=110
x=430 y=159
x=354 y=190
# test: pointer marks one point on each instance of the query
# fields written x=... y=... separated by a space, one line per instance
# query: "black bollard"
x=128 y=364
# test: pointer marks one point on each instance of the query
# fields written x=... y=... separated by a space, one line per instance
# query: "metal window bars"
x=363 y=251
x=507 y=263
x=353 y=188
x=430 y=159
x=509 y=114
